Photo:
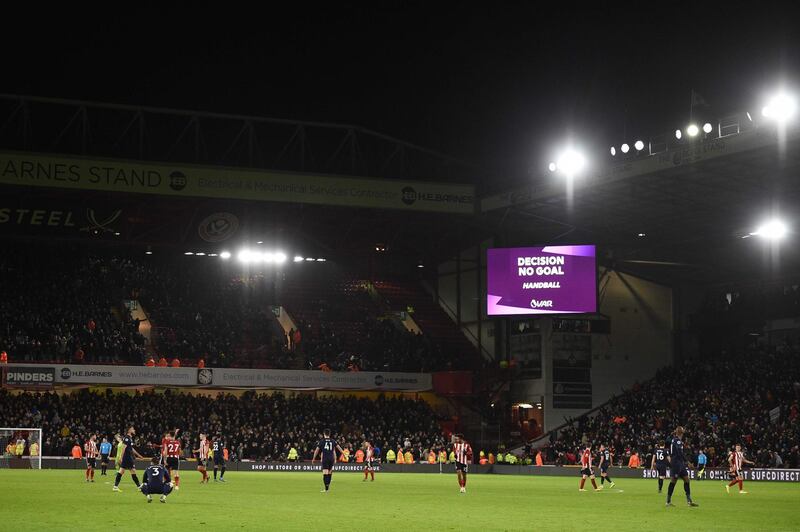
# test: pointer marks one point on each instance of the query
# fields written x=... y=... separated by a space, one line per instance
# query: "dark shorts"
x=587 y=471
x=165 y=489
x=91 y=462
x=662 y=470
x=219 y=460
x=201 y=463
x=678 y=470
x=127 y=463
x=174 y=463
x=104 y=459
x=327 y=463
x=604 y=468
x=462 y=467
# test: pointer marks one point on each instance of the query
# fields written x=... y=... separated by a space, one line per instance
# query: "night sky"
x=498 y=84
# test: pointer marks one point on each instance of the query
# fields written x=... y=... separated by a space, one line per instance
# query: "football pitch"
x=61 y=500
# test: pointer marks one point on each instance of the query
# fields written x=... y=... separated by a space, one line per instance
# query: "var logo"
x=66 y=373
x=378 y=380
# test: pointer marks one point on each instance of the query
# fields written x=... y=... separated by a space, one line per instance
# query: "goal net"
x=21 y=448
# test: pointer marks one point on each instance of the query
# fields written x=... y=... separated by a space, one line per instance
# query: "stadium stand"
x=722 y=400
x=196 y=310
x=67 y=309
x=257 y=427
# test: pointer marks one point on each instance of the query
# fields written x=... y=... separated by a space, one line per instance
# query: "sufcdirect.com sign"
x=113 y=175
x=767 y=475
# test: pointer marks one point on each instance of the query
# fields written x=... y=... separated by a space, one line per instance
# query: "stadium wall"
x=768 y=475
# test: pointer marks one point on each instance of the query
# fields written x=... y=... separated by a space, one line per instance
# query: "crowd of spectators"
x=65 y=309
x=71 y=310
x=254 y=426
x=751 y=398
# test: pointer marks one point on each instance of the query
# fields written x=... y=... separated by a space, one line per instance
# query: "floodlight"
x=781 y=108
x=625 y=148
x=260 y=242
x=692 y=130
x=225 y=255
x=148 y=252
x=189 y=253
x=551 y=167
x=771 y=230
x=678 y=134
x=309 y=259
x=613 y=151
x=200 y=254
x=298 y=258
x=320 y=259
x=707 y=127
x=245 y=256
x=279 y=257
x=570 y=162
x=639 y=145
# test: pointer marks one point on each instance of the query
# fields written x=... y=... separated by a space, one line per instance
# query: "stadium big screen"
x=541 y=280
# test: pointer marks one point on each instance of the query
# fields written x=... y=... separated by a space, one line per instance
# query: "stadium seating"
x=262 y=427
x=201 y=309
x=721 y=401
x=65 y=308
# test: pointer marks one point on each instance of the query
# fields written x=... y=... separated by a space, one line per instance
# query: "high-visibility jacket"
x=634 y=461
x=491 y=458
x=409 y=458
x=162 y=362
x=77 y=452
x=34 y=449
x=511 y=459
x=150 y=363
x=20 y=449
x=390 y=456
x=452 y=458
x=345 y=456
x=431 y=457
x=176 y=363
x=442 y=457
x=401 y=459
x=539 y=458
x=483 y=461
x=292 y=454
x=359 y=456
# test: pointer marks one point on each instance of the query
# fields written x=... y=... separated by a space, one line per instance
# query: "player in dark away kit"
x=677 y=468
x=218 y=448
x=127 y=462
x=156 y=481
x=605 y=463
x=328 y=448
x=659 y=465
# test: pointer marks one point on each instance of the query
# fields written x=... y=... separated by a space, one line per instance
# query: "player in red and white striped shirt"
x=463 y=454
x=736 y=461
x=171 y=455
x=586 y=468
x=202 y=456
x=369 y=468
x=90 y=450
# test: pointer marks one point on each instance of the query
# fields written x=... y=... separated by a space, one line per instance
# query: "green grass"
x=61 y=500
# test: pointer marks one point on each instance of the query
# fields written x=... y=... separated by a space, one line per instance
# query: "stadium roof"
x=678 y=214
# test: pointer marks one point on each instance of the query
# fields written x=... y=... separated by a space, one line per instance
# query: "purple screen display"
x=544 y=280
